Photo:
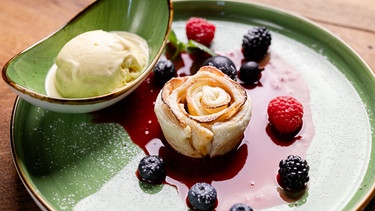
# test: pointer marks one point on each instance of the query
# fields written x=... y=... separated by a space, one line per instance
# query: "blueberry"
x=240 y=207
x=163 y=71
x=224 y=64
x=250 y=72
x=152 y=169
x=202 y=196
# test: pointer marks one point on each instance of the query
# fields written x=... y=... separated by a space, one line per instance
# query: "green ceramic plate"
x=71 y=161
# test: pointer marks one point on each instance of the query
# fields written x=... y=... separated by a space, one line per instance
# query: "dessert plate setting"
x=88 y=161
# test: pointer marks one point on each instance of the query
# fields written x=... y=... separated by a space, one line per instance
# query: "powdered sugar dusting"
x=342 y=142
x=77 y=156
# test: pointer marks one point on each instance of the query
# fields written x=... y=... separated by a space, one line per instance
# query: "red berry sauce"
x=247 y=174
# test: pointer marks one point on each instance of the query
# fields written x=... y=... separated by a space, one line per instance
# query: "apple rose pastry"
x=204 y=114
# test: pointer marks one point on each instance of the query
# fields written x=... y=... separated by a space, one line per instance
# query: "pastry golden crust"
x=204 y=114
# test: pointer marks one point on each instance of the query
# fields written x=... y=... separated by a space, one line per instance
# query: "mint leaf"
x=190 y=47
x=178 y=45
x=172 y=38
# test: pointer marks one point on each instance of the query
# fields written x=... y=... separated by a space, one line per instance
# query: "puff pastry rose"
x=204 y=114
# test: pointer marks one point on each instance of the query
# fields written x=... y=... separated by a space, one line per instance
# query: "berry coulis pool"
x=247 y=174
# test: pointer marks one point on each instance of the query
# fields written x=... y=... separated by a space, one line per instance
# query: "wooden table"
x=23 y=22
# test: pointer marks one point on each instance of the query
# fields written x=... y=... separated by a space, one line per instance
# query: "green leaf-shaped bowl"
x=26 y=72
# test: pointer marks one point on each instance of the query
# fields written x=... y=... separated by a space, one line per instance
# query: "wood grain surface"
x=24 y=22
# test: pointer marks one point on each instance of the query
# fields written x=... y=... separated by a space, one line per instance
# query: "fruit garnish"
x=240 y=207
x=152 y=169
x=163 y=71
x=190 y=47
x=293 y=173
x=250 y=72
x=285 y=114
x=202 y=196
x=200 y=30
x=255 y=43
x=224 y=64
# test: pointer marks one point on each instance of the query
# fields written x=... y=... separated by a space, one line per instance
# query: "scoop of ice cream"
x=98 y=62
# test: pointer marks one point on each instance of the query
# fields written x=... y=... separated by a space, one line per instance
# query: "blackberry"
x=293 y=173
x=224 y=64
x=255 y=43
x=240 y=207
x=163 y=71
x=202 y=196
x=250 y=72
x=152 y=169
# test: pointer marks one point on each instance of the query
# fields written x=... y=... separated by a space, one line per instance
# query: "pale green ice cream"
x=98 y=62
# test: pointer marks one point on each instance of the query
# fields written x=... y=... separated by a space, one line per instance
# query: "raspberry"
x=293 y=173
x=199 y=30
x=285 y=114
x=255 y=43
